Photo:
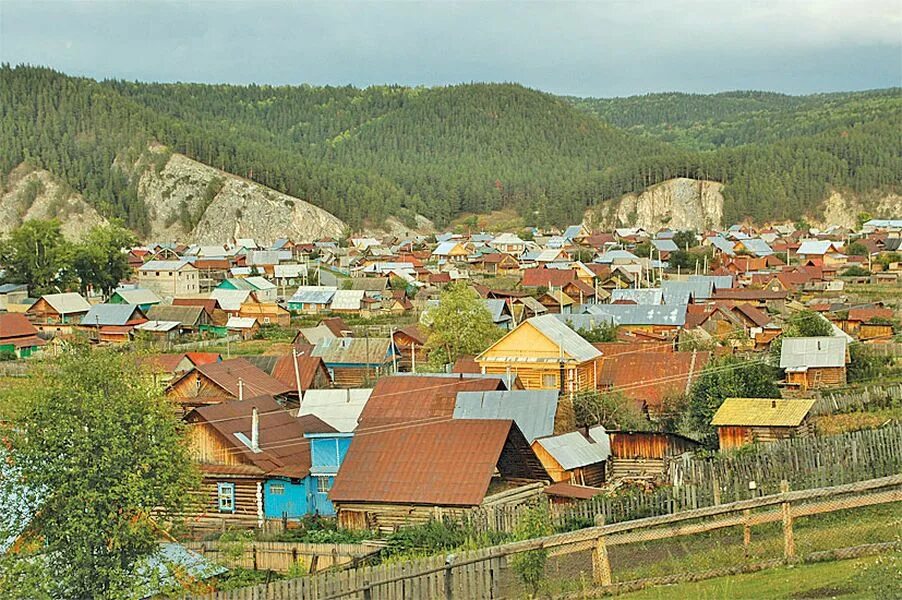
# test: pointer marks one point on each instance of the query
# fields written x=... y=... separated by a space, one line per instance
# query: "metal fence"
x=787 y=527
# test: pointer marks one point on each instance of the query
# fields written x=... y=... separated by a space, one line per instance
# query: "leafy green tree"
x=613 y=410
x=100 y=260
x=461 y=325
x=807 y=323
x=603 y=332
x=97 y=448
x=685 y=239
x=530 y=566
x=37 y=255
x=728 y=377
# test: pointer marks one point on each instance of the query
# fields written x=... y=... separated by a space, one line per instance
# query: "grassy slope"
x=847 y=579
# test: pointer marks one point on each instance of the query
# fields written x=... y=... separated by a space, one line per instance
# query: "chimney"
x=255 y=430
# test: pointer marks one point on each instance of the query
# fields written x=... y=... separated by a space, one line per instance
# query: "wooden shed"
x=576 y=457
x=814 y=362
x=644 y=453
x=741 y=421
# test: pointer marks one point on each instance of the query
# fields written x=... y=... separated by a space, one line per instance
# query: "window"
x=226 y=496
x=323 y=485
x=549 y=381
x=277 y=489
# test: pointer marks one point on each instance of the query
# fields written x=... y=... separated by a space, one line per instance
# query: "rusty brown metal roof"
x=283 y=450
x=13 y=325
x=403 y=398
x=650 y=377
x=439 y=464
x=256 y=382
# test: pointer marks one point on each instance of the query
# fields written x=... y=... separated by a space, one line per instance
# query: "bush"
x=530 y=566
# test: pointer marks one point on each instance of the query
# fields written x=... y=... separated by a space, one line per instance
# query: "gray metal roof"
x=67 y=303
x=573 y=344
x=814 y=247
x=12 y=287
x=681 y=292
x=110 y=314
x=757 y=246
x=138 y=296
x=639 y=296
x=723 y=245
x=813 y=352
x=665 y=245
x=313 y=295
x=632 y=314
x=532 y=410
x=718 y=281
x=339 y=408
x=496 y=308
x=347 y=299
x=573 y=450
x=165 y=265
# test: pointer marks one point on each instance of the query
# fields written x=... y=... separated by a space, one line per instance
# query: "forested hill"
x=394 y=151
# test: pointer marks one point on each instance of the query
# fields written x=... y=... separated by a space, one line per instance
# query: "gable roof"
x=572 y=344
x=406 y=398
x=354 y=351
x=633 y=314
x=138 y=296
x=112 y=314
x=230 y=300
x=185 y=315
x=812 y=352
x=649 y=377
x=643 y=296
x=762 y=412
x=282 y=449
x=544 y=277
x=67 y=303
x=16 y=325
x=532 y=410
x=256 y=382
x=572 y=450
x=281 y=367
x=445 y=464
x=339 y=408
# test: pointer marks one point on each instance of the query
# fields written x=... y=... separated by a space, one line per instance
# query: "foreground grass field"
x=875 y=577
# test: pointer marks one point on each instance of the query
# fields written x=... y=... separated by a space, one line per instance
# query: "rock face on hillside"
x=36 y=194
x=676 y=203
x=843 y=208
x=193 y=202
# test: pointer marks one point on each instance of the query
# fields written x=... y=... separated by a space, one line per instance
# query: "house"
x=357 y=362
x=265 y=313
x=645 y=453
x=18 y=336
x=396 y=477
x=556 y=302
x=814 y=362
x=311 y=299
x=826 y=251
x=665 y=320
x=12 y=293
x=58 y=312
x=509 y=243
x=190 y=319
x=451 y=251
x=144 y=299
x=254 y=462
x=411 y=344
x=117 y=315
x=214 y=314
x=546 y=277
x=576 y=457
x=742 y=421
x=327 y=453
x=537 y=413
x=231 y=301
x=500 y=311
x=497 y=263
x=245 y=327
x=311 y=372
x=545 y=354
x=223 y=381
x=347 y=301
x=169 y=278
x=866 y=322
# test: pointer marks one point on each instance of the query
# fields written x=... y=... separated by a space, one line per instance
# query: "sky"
x=601 y=48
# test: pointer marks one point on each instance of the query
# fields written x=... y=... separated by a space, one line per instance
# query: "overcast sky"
x=602 y=48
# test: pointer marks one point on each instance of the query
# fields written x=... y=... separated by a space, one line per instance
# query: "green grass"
x=871 y=577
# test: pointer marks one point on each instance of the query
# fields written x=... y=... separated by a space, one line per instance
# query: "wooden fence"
x=487 y=573
x=284 y=556
x=866 y=399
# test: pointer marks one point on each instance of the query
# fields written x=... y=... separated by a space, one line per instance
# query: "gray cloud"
x=587 y=48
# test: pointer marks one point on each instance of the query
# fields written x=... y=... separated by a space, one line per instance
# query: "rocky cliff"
x=194 y=202
x=676 y=203
x=32 y=193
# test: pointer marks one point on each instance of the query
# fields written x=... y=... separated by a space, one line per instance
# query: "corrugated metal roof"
x=762 y=412
x=158 y=326
x=111 y=314
x=757 y=246
x=339 y=408
x=573 y=344
x=681 y=292
x=289 y=271
x=347 y=299
x=532 y=410
x=814 y=247
x=256 y=382
x=813 y=352
x=438 y=464
x=241 y=323
x=138 y=296
x=165 y=265
x=717 y=281
x=188 y=316
x=665 y=245
x=313 y=294
x=67 y=303
x=261 y=283
x=573 y=450
x=354 y=351
x=644 y=296
x=632 y=314
x=722 y=244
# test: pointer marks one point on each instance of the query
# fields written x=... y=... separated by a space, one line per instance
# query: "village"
x=384 y=384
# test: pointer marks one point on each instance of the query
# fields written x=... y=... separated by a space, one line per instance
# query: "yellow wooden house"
x=546 y=355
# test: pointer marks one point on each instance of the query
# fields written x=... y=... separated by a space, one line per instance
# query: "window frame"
x=225 y=496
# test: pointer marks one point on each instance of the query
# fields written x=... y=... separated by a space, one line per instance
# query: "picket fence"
x=284 y=556
x=866 y=399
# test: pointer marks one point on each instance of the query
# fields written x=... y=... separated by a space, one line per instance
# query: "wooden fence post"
x=449 y=583
x=789 y=546
x=747 y=531
x=601 y=564
x=716 y=484
x=367 y=591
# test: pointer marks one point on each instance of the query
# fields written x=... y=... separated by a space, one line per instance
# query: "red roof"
x=284 y=451
x=403 y=398
x=203 y=358
x=609 y=349
x=439 y=278
x=755 y=315
x=161 y=363
x=308 y=367
x=208 y=304
x=564 y=489
x=337 y=326
x=870 y=313
x=14 y=325
x=437 y=464
x=466 y=364
x=227 y=373
x=650 y=377
x=414 y=333
x=543 y=277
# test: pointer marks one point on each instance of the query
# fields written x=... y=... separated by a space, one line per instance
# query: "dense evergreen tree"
x=365 y=154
